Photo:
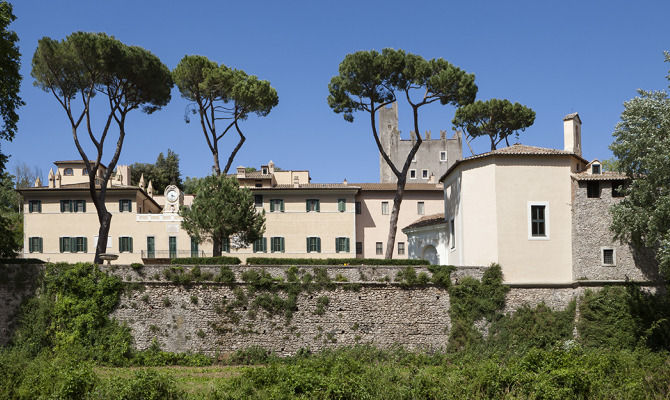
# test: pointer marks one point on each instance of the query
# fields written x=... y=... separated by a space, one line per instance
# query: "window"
x=412 y=174
x=73 y=244
x=84 y=171
x=414 y=159
x=73 y=206
x=358 y=207
x=593 y=189
x=258 y=200
x=420 y=207
x=68 y=172
x=277 y=244
x=314 y=245
x=172 y=246
x=595 y=169
x=385 y=207
x=125 y=244
x=258 y=184
x=194 y=247
x=151 y=247
x=424 y=174
x=35 y=206
x=125 y=205
x=618 y=189
x=265 y=171
x=35 y=244
x=277 y=205
x=443 y=156
x=608 y=257
x=359 y=247
x=379 y=248
x=452 y=234
x=261 y=245
x=109 y=241
x=342 y=245
x=341 y=205
x=538 y=221
x=225 y=245
x=401 y=248
x=312 y=205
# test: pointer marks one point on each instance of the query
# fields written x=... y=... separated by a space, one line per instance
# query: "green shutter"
x=40 y=244
x=346 y=244
x=337 y=245
x=272 y=205
x=39 y=205
x=307 y=205
x=265 y=244
x=120 y=205
x=281 y=205
x=318 y=243
x=307 y=245
x=282 y=243
x=62 y=206
x=130 y=244
x=120 y=244
x=60 y=244
x=85 y=245
x=341 y=205
x=83 y=206
x=318 y=206
x=30 y=206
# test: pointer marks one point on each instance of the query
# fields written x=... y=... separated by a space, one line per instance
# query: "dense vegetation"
x=330 y=261
x=65 y=337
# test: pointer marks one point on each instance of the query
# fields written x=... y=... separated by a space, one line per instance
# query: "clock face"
x=172 y=196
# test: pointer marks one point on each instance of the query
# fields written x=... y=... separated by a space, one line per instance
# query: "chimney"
x=141 y=184
x=271 y=167
x=572 y=134
x=124 y=170
x=443 y=135
x=241 y=172
x=52 y=183
x=150 y=189
x=38 y=182
x=345 y=182
x=428 y=134
x=58 y=180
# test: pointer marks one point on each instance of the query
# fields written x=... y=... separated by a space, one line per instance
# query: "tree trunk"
x=105 y=219
x=393 y=226
x=217 y=247
x=217 y=169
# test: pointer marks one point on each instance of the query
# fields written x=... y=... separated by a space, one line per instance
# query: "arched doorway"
x=430 y=254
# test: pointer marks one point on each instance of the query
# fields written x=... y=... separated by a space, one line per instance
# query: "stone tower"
x=432 y=159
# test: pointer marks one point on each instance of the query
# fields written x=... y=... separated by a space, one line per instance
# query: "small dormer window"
x=68 y=172
x=265 y=171
x=595 y=169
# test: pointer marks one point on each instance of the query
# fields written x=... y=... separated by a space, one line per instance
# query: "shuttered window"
x=125 y=205
x=225 y=245
x=73 y=244
x=312 y=205
x=277 y=244
x=314 y=245
x=341 y=205
x=276 y=205
x=35 y=206
x=261 y=245
x=125 y=244
x=194 y=247
x=72 y=206
x=35 y=244
x=342 y=245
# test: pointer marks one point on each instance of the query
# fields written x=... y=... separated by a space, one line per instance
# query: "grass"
x=195 y=381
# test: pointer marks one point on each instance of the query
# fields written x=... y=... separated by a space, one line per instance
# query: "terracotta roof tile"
x=427 y=220
x=393 y=186
x=604 y=176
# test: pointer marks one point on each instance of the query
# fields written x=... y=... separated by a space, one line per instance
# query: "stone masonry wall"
x=591 y=219
x=361 y=305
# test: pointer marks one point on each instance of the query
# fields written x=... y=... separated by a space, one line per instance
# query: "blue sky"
x=555 y=57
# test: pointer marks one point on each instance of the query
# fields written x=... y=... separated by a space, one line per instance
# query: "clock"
x=172 y=195
x=173 y=199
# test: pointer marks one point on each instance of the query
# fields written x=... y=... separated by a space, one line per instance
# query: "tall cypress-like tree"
x=85 y=65
x=369 y=80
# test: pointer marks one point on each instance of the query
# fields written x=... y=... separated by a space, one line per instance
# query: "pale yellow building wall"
x=372 y=226
x=477 y=224
x=295 y=224
x=291 y=177
x=536 y=180
x=51 y=224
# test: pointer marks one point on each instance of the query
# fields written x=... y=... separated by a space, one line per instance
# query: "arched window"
x=68 y=172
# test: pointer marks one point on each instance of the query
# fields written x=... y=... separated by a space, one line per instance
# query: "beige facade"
x=376 y=204
x=303 y=219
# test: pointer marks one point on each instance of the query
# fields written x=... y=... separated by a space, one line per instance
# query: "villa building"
x=303 y=219
x=542 y=214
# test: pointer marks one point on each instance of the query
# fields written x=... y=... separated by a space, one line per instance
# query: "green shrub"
x=137 y=266
x=250 y=356
x=321 y=304
x=144 y=385
x=441 y=275
x=624 y=316
x=331 y=261
x=207 y=261
x=20 y=261
x=226 y=275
